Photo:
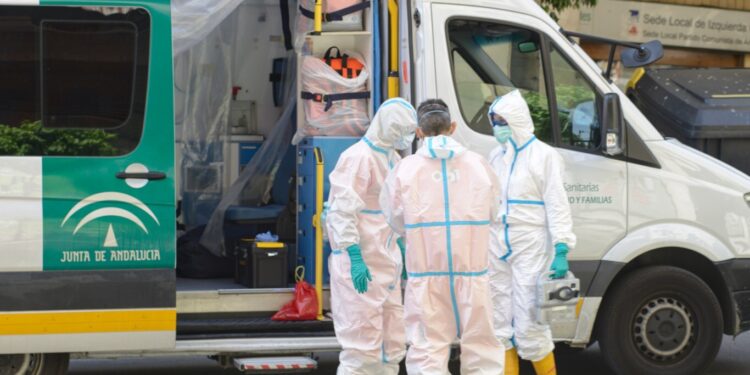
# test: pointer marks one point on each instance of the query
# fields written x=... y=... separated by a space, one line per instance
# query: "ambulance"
x=91 y=173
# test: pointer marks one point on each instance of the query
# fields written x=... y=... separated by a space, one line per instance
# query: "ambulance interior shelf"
x=342 y=106
x=350 y=34
x=334 y=95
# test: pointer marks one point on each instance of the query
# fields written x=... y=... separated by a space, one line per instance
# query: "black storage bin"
x=707 y=109
x=261 y=264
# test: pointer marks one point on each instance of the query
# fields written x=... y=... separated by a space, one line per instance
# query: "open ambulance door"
x=87 y=198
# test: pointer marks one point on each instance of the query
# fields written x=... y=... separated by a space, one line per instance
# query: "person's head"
x=510 y=116
x=434 y=119
x=394 y=124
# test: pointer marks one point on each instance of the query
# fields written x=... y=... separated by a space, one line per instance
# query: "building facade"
x=695 y=33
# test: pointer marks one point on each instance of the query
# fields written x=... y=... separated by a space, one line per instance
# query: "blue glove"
x=401 y=245
x=266 y=237
x=560 y=264
x=360 y=274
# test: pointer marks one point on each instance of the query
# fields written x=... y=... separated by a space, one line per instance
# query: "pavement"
x=733 y=359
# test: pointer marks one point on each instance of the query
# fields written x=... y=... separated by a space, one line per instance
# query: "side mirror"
x=612 y=125
x=646 y=54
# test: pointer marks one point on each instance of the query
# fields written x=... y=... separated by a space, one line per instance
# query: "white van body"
x=660 y=203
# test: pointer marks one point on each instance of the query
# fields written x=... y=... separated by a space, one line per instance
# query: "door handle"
x=142 y=176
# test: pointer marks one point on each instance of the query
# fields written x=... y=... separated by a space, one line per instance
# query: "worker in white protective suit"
x=443 y=200
x=535 y=216
x=366 y=264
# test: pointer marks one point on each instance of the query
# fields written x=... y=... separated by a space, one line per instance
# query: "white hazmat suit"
x=535 y=215
x=443 y=199
x=369 y=326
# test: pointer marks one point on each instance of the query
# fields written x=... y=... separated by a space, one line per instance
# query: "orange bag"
x=304 y=306
x=347 y=66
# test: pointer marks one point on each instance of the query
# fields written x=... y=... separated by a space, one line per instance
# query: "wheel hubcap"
x=664 y=329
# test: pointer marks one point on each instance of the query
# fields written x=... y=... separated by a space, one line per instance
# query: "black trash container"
x=707 y=109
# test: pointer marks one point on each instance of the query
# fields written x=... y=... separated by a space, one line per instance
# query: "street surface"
x=733 y=359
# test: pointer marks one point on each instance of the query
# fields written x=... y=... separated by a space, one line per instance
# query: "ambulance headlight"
x=747 y=198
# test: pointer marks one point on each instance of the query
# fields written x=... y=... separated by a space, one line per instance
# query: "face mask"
x=502 y=133
x=405 y=142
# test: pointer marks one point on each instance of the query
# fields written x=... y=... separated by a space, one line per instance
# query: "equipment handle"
x=564 y=294
x=327 y=56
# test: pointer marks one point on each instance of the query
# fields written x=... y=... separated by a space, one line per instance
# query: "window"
x=74 y=80
x=489 y=60
x=576 y=104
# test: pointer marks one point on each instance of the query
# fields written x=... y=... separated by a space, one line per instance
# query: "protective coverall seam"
x=444 y=223
x=451 y=282
x=525 y=202
x=446 y=273
x=403 y=103
x=429 y=147
x=379 y=150
x=508 y=201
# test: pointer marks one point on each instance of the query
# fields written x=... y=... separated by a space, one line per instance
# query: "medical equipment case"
x=261 y=264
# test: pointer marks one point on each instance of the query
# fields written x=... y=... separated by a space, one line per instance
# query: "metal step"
x=240 y=347
x=271 y=365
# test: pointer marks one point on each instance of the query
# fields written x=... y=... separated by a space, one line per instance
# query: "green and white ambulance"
x=89 y=177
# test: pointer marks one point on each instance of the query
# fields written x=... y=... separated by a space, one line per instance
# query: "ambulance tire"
x=660 y=320
x=34 y=364
x=54 y=364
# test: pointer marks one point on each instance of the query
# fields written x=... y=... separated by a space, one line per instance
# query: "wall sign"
x=673 y=25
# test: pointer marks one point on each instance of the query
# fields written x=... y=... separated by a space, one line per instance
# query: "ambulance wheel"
x=660 y=320
x=34 y=364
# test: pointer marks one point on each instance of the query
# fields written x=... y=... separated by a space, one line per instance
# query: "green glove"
x=401 y=245
x=560 y=264
x=360 y=274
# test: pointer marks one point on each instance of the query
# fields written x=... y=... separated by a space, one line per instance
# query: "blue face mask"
x=502 y=133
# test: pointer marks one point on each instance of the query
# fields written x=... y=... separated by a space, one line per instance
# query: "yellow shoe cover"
x=511 y=362
x=546 y=366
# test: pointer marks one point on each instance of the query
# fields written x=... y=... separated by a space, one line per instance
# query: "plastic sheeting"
x=213 y=50
x=194 y=20
x=348 y=117
x=203 y=80
x=253 y=186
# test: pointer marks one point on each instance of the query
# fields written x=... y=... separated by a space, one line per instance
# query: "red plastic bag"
x=304 y=306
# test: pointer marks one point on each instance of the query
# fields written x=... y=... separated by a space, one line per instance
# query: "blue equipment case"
x=331 y=148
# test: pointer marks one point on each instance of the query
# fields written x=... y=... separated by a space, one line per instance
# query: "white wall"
x=259 y=39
